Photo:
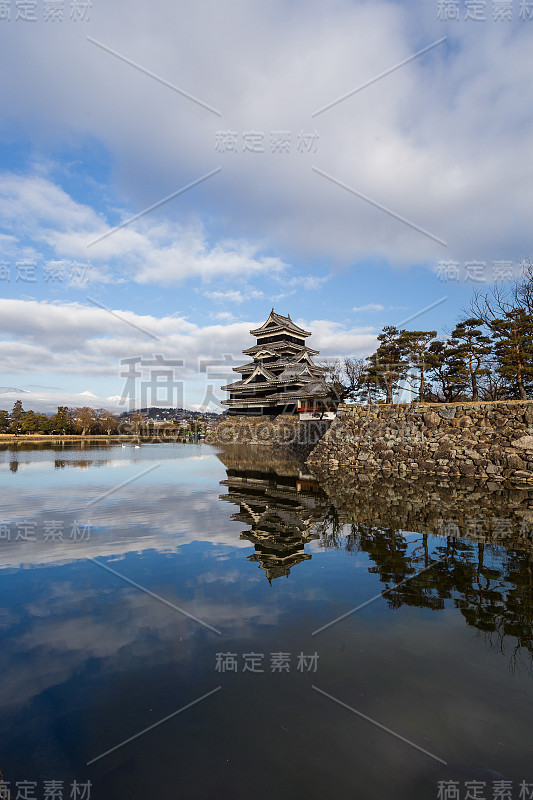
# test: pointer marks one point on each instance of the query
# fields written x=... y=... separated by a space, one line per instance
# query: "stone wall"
x=493 y=441
x=285 y=430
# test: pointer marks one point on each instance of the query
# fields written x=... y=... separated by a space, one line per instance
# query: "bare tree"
x=84 y=419
x=107 y=421
x=344 y=377
x=137 y=420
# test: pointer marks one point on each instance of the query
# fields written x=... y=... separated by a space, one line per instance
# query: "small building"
x=281 y=378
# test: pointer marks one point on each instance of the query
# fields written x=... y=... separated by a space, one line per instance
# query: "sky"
x=171 y=171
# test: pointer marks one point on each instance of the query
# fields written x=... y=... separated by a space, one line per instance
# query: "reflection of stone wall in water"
x=279 y=502
x=370 y=513
x=492 y=587
x=258 y=459
x=487 y=440
x=490 y=513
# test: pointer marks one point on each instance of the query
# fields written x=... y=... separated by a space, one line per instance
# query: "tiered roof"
x=282 y=369
x=276 y=322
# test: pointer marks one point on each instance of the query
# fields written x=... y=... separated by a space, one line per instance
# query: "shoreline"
x=35 y=438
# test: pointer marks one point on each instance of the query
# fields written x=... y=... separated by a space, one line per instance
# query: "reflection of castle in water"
x=280 y=503
x=433 y=543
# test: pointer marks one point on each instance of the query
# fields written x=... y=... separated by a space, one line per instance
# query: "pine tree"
x=16 y=417
x=513 y=337
x=388 y=366
x=416 y=346
x=4 y=421
x=28 y=422
x=62 y=420
x=471 y=349
x=445 y=370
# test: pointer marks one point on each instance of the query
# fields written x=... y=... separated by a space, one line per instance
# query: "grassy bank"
x=43 y=438
x=10 y=438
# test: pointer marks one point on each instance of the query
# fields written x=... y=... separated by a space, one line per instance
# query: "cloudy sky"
x=169 y=172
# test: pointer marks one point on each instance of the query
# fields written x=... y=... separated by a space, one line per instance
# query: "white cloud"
x=307 y=282
x=333 y=338
x=151 y=251
x=48 y=402
x=311 y=281
x=223 y=316
x=77 y=340
x=233 y=296
x=369 y=307
x=444 y=141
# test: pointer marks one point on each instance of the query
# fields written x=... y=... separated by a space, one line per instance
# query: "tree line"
x=65 y=421
x=487 y=356
x=87 y=421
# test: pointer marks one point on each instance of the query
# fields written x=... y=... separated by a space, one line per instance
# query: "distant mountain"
x=48 y=402
x=162 y=414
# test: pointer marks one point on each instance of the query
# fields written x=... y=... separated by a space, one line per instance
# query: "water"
x=136 y=579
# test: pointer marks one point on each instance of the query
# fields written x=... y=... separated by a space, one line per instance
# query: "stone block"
x=448 y=412
x=525 y=442
x=515 y=462
x=431 y=420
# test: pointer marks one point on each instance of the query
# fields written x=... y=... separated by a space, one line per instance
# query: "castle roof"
x=277 y=323
x=271 y=347
x=281 y=373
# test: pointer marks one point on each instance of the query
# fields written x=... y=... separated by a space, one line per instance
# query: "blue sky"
x=338 y=213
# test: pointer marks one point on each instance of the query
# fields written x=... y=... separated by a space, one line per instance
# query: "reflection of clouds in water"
x=79 y=463
x=38 y=470
x=135 y=629
x=80 y=636
x=233 y=576
x=163 y=518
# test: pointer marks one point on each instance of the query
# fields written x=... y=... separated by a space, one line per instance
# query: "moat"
x=199 y=621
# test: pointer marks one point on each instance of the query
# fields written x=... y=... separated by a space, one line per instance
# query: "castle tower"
x=281 y=375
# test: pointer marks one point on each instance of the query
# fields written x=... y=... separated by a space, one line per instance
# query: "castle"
x=282 y=378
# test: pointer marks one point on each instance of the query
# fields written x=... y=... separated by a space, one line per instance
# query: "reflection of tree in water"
x=463 y=562
x=496 y=597
x=61 y=463
x=499 y=602
x=475 y=546
x=491 y=587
